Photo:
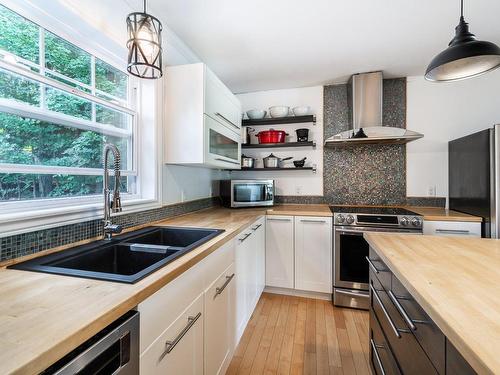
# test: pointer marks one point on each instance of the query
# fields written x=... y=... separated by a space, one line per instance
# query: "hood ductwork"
x=365 y=115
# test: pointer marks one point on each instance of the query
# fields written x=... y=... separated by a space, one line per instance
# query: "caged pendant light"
x=144 y=45
x=465 y=56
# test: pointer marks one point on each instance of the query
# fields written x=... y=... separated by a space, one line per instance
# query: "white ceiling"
x=272 y=44
x=269 y=44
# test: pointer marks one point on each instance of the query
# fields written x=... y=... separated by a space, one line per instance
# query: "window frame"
x=26 y=215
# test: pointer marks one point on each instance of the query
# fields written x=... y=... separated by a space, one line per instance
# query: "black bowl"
x=299 y=163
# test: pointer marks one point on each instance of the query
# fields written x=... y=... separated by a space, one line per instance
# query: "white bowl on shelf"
x=279 y=111
x=301 y=110
x=256 y=114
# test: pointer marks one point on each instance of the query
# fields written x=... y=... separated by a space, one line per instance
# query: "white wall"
x=442 y=112
x=290 y=183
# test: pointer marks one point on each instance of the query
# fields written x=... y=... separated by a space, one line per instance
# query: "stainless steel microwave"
x=247 y=193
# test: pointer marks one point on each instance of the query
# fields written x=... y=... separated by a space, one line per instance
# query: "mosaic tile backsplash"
x=365 y=174
x=33 y=242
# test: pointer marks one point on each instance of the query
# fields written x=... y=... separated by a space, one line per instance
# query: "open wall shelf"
x=313 y=169
x=280 y=120
x=279 y=145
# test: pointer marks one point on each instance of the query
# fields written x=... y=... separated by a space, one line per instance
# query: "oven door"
x=350 y=251
x=251 y=193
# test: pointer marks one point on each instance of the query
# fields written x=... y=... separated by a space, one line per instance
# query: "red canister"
x=271 y=136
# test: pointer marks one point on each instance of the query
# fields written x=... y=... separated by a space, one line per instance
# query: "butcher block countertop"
x=43 y=316
x=456 y=280
x=442 y=214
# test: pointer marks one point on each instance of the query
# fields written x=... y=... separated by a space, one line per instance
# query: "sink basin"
x=127 y=258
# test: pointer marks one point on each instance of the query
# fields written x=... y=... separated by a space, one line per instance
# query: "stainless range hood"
x=364 y=93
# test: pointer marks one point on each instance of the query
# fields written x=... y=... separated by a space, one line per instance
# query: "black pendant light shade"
x=144 y=45
x=465 y=57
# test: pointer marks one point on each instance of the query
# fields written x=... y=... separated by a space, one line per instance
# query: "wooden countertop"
x=442 y=214
x=456 y=280
x=43 y=316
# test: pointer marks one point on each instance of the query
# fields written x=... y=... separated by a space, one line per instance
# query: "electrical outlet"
x=432 y=191
x=298 y=190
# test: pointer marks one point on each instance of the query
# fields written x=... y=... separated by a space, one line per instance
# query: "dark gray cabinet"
x=403 y=338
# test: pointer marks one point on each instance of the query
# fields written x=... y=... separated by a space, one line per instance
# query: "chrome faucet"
x=115 y=204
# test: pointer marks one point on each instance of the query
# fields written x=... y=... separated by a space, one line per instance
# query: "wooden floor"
x=293 y=335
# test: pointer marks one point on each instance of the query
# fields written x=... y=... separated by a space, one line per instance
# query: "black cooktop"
x=371 y=210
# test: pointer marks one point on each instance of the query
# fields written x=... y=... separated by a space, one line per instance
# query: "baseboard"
x=298 y=293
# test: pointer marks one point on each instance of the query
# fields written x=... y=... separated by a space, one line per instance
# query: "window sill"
x=17 y=223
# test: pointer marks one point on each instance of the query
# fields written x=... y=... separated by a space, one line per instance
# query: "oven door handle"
x=354 y=231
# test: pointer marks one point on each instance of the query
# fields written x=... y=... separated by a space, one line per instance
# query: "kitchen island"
x=454 y=281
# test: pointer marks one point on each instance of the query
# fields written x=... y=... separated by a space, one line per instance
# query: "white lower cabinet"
x=250 y=272
x=280 y=251
x=452 y=228
x=218 y=322
x=179 y=349
x=313 y=254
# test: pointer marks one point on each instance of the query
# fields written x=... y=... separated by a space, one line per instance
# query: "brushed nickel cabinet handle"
x=372 y=266
x=312 y=221
x=244 y=238
x=377 y=356
x=227 y=161
x=221 y=289
x=256 y=227
x=386 y=313
x=170 y=345
x=277 y=219
x=453 y=231
x=402 y=311
x=225 y=119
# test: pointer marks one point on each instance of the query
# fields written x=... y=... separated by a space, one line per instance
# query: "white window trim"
x=77 y=209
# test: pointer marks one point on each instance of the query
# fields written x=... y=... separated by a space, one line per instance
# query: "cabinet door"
x=243 y=276
x=259 y=244
x=179 y=349
x=279 y=251
x=313 y=254
x=218 y=323
x=220 y=102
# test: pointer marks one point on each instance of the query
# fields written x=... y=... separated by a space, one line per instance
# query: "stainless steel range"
x=350 y=250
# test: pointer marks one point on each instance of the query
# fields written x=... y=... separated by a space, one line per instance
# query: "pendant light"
x=465 y=56
x=144 y=45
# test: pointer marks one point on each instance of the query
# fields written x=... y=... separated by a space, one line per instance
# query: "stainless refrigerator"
x=474 y=174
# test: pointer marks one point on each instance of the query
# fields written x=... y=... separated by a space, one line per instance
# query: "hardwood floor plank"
x=357 y=352
x=297 y=366
x=272 y=361
x=294 y=335
x=285 y=359
x=322 y=365
x=266 y=340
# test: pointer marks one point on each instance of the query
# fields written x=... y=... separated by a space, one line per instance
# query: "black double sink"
x=126 y=258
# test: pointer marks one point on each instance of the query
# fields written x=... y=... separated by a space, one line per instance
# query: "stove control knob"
x=404 y=221
x=340 y=218
x=350 y=219
x=416 y=222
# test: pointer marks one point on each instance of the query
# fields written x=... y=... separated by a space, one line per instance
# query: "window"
x=58 y=106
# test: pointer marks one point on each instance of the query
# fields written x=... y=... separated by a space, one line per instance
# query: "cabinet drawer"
x=409 y=354
x=381 y=356
x=380 y=270
x=425 y=330
x=179 y=349
x=161 y=309
x=452 y=228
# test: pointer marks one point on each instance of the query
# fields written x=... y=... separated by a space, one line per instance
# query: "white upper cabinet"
x=313 y=254
x=279 y=251
x=202 y=119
